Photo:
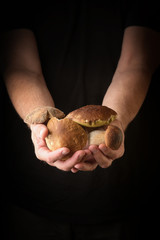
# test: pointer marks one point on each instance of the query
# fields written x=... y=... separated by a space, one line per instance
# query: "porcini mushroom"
x=84 y=126
x=97 y=119
x=62 y=132
x=93 y=115
x=43 y=114
x=65 y=133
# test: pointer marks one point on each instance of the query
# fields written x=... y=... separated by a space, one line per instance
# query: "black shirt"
x=79 y=44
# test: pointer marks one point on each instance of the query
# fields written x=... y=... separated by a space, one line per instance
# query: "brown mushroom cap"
x=92 y=115
x=65 y=133
x=43 y=114
x=113 y=137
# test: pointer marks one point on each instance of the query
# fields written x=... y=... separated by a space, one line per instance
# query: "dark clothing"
x=24 y=224
x=36 y=227
x=79 y=47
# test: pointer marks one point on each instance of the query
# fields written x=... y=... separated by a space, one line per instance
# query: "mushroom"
x=97 y=119
x=62 y=132
x=82 y=127
x=112 y=137
x=43 y=114
x=65 y=133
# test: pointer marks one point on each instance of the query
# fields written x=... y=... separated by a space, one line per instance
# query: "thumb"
x=40 y=130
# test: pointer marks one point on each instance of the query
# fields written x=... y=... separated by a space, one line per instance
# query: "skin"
x=20 y=66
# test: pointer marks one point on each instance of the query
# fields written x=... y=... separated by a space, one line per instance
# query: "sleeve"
x=142 y=13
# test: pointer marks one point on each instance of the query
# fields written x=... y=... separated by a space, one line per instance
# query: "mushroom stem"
x=96 y=137
x=112 y=137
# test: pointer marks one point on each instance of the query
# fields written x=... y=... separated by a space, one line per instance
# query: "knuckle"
x=38 y=155
x=92 y=168
x=121 y=154
x=106 y=164
x=50 y=160
x=66 y=169
x=118 y=155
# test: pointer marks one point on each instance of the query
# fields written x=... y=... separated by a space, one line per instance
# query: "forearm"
x=27 y=90
x=21 y=70
x=127 y=92
x=139 y=58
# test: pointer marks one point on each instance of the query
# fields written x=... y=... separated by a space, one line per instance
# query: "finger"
x=88 y=163
x=38 y=134
x=111 y=154
x=39 y=130
x=101 y=159
x=88 y=155
x=86 y=166
x=68 y=164
x=44 y=154
x=74 y=170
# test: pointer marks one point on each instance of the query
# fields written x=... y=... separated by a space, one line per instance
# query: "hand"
x=53 y=158
x=101 y=155
x=84 y=160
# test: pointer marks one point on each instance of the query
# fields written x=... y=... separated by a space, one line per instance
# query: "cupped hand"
x=101 y=155
x=85 y=160
x=53 y=158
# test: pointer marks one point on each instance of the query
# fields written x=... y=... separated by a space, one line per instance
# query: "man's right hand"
x=53 y=158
